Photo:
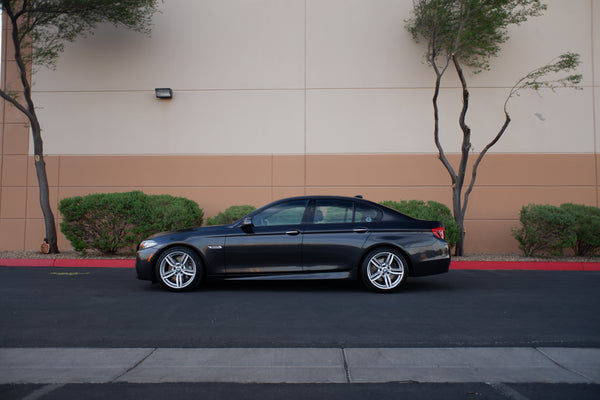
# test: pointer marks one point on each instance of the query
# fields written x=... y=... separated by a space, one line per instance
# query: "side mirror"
x=247 y=225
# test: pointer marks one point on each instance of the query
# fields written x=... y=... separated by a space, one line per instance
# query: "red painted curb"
x=525 y=265
x=68 y=263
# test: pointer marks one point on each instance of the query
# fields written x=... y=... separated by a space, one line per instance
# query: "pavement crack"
x=549 y=357
x=346 y=370
x=133 y=367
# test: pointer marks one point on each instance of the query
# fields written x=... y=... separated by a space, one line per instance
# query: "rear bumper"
x=431 y=267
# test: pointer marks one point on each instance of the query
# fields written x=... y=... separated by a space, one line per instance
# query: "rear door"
x=335 y=235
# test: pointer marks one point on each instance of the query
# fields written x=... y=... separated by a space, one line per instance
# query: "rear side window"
x=341 y=211
x=333 y=212
x=366 y=213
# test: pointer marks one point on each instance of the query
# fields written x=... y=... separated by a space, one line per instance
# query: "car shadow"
x=281 y=286
x=413 y=285
x=428 y=285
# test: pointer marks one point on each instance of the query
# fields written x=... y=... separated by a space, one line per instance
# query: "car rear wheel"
x=179 y=269
x=384 y=270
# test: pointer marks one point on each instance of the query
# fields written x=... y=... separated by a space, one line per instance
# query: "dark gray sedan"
x=310 y=237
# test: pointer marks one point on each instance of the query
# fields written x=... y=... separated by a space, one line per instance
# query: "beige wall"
x=304 y=76
x=274 y=98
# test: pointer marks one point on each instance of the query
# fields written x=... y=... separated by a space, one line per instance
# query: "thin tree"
x=39 y=30
x=471 y=32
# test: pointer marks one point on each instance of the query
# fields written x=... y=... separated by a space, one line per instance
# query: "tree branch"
x=466 y=142
x=436 y=129
x=480 y=158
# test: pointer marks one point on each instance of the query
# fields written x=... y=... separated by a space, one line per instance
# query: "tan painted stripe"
x=506 y=183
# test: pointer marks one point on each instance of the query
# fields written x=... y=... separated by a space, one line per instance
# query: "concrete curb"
x=456 y=265
x=299 y=365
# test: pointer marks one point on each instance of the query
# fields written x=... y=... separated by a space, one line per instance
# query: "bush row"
x=113 y=222
x=548 y=230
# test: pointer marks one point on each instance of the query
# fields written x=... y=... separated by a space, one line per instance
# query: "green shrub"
x=230 y=215
x=110 y=222
x=169 y=213
x=430 y=210
x=545 y=229
x=587 y=228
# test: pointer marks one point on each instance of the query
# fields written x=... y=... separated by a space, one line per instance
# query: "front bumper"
x=144 y=264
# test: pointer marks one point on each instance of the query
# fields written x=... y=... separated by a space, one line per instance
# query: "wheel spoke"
x=184 y=259
x=388 y=281
x=376 y=263
x=378 y=275
x=390 y=259
x=169 y=259
x=169 y=273
x=189 y=271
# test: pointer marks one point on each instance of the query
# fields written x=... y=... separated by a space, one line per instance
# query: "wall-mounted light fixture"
x=163 y=93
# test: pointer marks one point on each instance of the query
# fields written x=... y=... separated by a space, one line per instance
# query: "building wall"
x=274 y=98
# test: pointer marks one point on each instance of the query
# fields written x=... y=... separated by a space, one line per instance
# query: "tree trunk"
x=42 y=177
x=29 y=110
x=51 y=237
x=459 y=249
x=460 y=204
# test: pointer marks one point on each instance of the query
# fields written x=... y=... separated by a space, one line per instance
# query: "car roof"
x=320 y=197
x=326 y=197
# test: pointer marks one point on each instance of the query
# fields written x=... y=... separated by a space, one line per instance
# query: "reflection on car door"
x=334 y=239
x=272 y=245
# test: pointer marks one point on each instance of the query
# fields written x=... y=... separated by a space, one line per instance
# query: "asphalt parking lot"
x=105 y=307
x=536 y=312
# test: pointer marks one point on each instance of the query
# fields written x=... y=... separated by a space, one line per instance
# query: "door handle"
x=360 y=230
x=292 y=232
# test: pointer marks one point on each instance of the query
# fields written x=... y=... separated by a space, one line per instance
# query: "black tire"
x=179 y=269
x=384 y=270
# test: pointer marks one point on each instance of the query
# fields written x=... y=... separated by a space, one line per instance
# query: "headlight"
x=147 y=244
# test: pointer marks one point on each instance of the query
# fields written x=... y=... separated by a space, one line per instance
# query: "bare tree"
x=38 y=31
x=470 y=32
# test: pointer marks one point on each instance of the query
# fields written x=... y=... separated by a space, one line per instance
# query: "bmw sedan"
x=310 y=237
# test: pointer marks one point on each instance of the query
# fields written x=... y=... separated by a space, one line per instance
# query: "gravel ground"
x=469 y=257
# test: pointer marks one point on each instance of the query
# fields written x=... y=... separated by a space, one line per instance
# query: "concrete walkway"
x=299 y=365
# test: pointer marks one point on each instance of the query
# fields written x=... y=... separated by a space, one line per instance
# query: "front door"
x=272 y=244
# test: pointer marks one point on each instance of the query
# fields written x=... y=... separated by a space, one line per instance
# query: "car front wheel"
x=384 y=270
x=179 y=269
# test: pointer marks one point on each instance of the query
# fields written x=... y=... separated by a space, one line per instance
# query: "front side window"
x=288 y=213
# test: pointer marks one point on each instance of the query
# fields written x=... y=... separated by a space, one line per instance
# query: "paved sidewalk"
x=299 y=365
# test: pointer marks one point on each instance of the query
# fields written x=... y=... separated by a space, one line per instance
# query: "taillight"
x=439 y=232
